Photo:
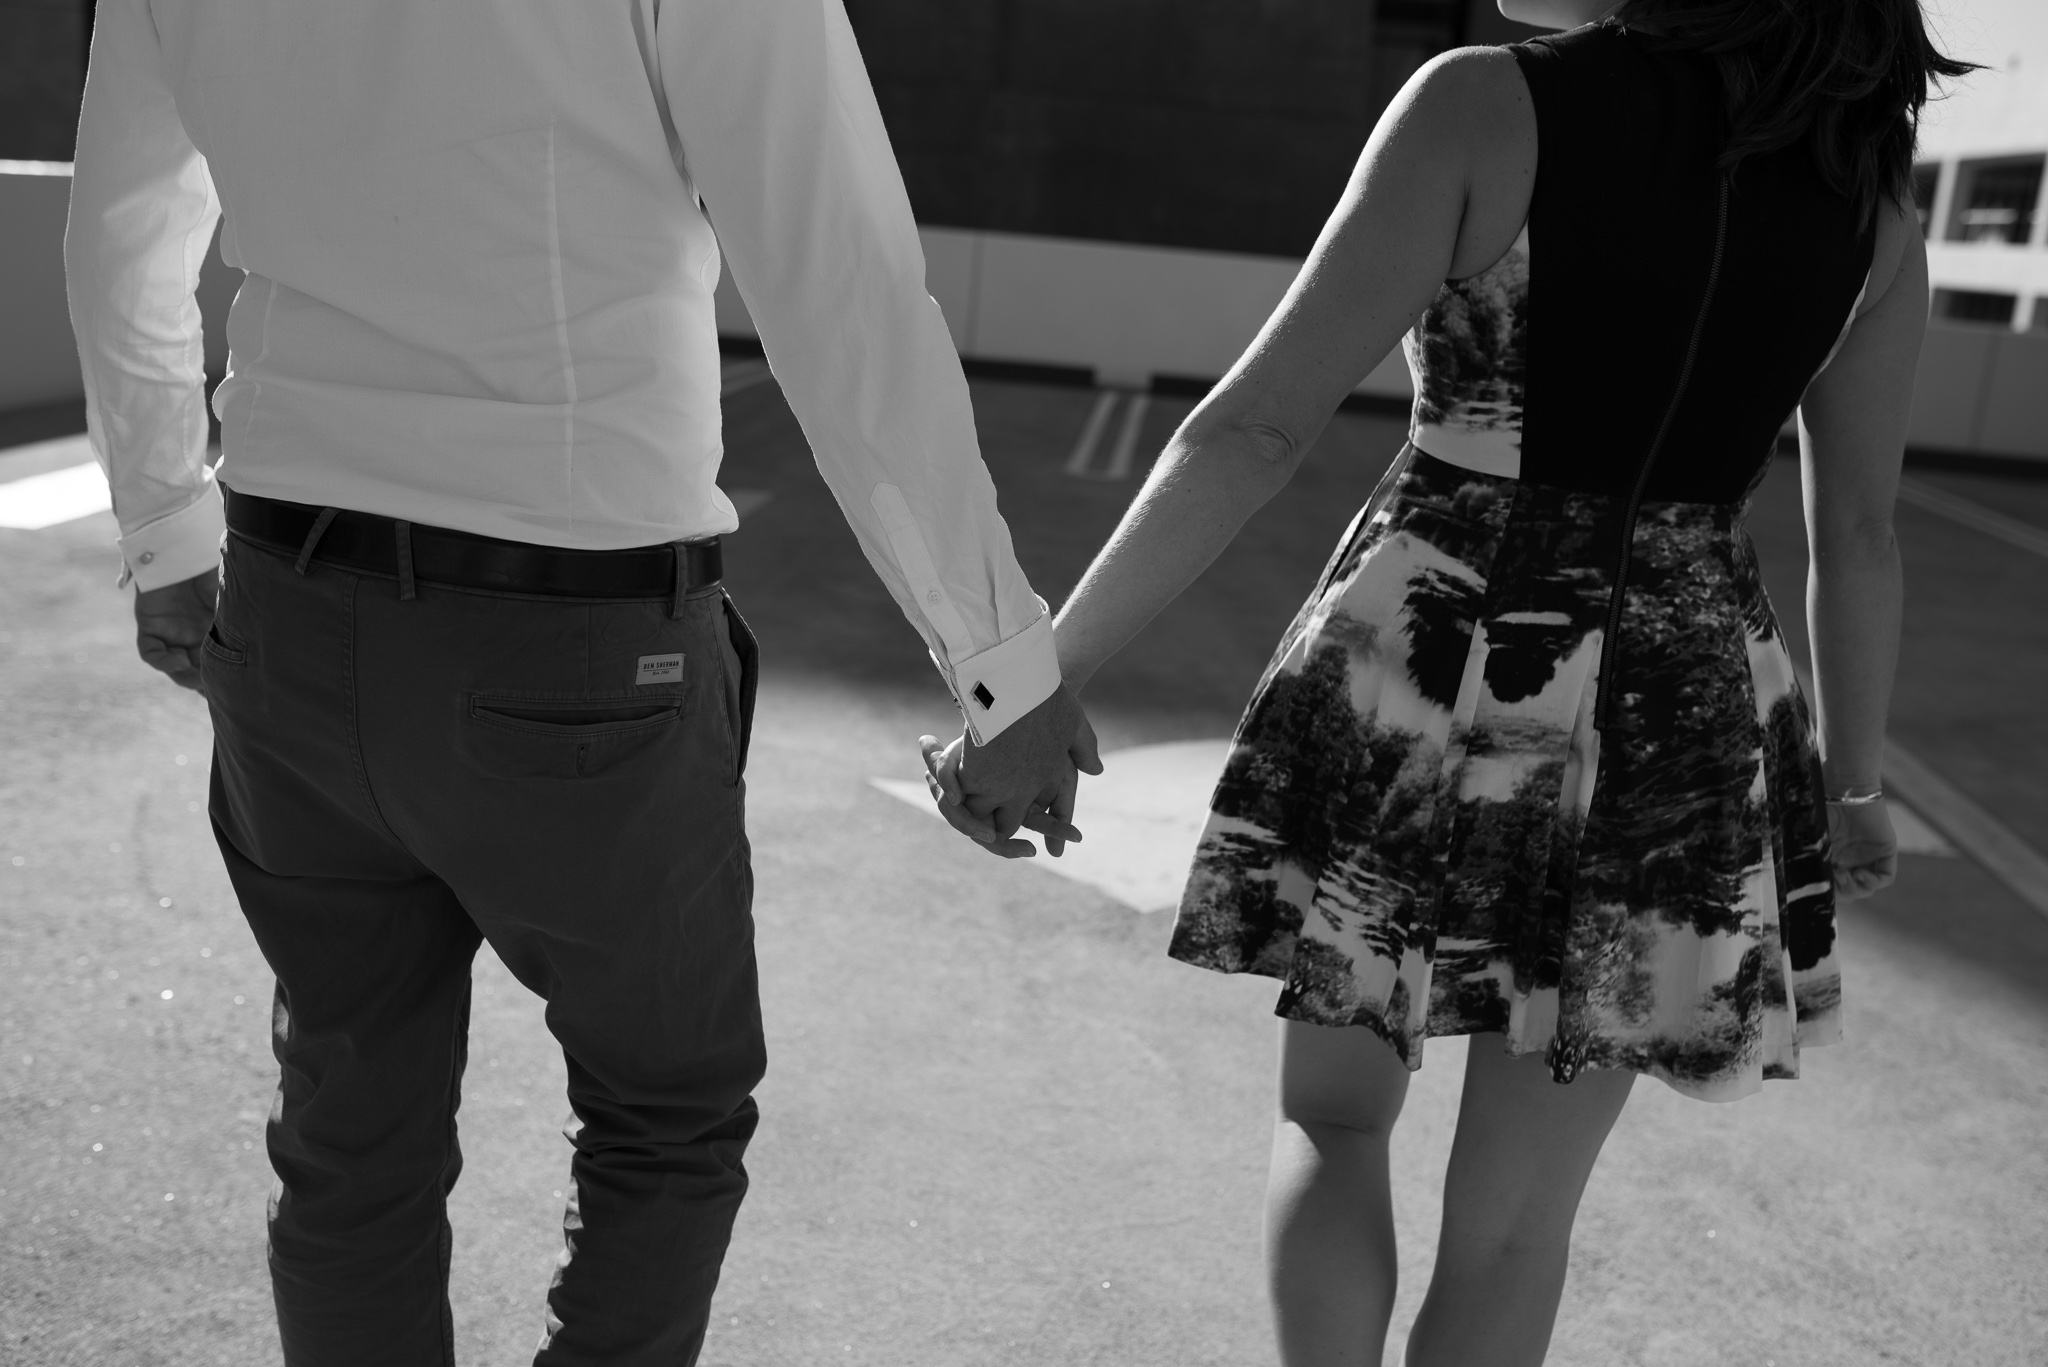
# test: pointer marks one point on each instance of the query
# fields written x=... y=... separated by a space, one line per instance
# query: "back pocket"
x=572 y=736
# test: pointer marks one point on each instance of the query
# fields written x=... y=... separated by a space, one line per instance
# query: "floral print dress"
x=1422 y=831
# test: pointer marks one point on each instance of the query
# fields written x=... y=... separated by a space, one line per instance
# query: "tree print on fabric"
x=1466 y=355
x=1466 y=352
x=1418 y=831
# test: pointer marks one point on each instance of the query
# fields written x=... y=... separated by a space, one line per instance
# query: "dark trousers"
x=395 y=781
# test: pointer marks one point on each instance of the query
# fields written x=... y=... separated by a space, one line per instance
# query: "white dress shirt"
x=479 y=295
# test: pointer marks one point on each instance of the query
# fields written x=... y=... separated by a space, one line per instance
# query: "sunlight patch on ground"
x=1141 y=819
x=56 y=496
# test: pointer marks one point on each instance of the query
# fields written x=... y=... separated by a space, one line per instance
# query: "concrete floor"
x=999 y=1126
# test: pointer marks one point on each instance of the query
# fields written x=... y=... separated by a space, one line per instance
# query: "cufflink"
x=984 y=697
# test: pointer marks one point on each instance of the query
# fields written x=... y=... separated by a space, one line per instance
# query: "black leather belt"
x=407 y=551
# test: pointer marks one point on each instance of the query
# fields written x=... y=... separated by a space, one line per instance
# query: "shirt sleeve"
x=782 y=138
x=143 y=211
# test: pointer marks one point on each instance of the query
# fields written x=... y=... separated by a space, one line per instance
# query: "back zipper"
x=1610 y=651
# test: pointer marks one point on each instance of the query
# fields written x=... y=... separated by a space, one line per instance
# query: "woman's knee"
x=1341 y=1077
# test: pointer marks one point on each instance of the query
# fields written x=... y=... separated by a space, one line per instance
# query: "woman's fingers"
x=1854 y=882
x=1862 y=848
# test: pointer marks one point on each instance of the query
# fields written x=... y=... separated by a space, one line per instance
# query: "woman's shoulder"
x=1471 y=108
x=1470 y=84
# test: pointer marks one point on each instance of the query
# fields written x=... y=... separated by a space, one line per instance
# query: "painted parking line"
x=1123 y=451
x=1082 y=457
x=1973 y=515
x=1941 y=806
x=1975 y=831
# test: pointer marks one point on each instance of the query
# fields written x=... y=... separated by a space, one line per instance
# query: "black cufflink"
x=984 y=697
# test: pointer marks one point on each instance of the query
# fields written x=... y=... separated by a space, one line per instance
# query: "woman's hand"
x=1861 y=848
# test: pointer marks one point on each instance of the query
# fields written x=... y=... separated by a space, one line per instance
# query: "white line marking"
x=1091 y=435
x=1915 y=835
x=1974 y=515
x=1975 y=831
x=737 y=376
x=1127 y=438
x=59 y=496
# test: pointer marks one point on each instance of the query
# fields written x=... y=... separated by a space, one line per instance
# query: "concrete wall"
x=1209 y=124
x=1982 y=390
x=42 y=74
x=38 y=363
x=1128 y=313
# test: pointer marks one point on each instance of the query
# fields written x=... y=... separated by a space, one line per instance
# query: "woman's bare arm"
x=1440 y=190
x=1852 y=436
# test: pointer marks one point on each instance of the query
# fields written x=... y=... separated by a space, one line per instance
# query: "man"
x=473 y=674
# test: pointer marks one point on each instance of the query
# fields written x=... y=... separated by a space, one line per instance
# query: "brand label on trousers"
x=659 y=669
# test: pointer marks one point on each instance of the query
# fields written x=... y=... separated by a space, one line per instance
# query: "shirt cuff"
x=179 y=546
x=1005 y=681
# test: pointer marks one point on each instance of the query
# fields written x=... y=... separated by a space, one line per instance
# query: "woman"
x=1531 y=764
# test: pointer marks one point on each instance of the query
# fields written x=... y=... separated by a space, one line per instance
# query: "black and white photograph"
x=938 y=683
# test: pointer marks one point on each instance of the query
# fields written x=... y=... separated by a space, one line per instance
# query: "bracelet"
x=1852 y=798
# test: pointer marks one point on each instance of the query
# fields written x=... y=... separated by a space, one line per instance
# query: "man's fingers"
x=1087 y=756
x=180 y=663
x=1855 y=882
x=980 y=832
x=1008 y=818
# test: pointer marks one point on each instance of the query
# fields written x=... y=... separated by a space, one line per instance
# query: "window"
x=1926 y=180
x=1995 y=200
x=1975 y=306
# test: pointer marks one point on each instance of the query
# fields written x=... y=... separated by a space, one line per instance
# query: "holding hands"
x=1025 y=777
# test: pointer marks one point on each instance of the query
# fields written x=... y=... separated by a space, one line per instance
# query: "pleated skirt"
x=1420 y=830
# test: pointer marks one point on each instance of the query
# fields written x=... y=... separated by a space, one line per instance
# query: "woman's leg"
x=1524 y=1149
x=1329 y=1216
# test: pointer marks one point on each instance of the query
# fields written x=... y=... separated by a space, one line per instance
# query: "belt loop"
x=680 y=583
x=320 y=524
x=406 y=588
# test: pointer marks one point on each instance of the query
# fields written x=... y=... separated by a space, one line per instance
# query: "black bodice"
x=1622 y=237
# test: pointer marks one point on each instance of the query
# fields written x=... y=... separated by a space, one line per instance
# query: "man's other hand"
x=171 y=624
x=1027 y=776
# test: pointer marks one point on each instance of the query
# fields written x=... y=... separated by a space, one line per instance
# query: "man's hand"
x=171 y=624
x=1027 y=776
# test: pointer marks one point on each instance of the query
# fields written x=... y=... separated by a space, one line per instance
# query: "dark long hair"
x=1848 y=77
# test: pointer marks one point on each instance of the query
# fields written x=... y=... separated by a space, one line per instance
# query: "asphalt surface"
x=999 y=1126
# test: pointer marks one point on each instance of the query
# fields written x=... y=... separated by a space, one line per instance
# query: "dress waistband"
x=1483 y=451
x=1474 y=458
